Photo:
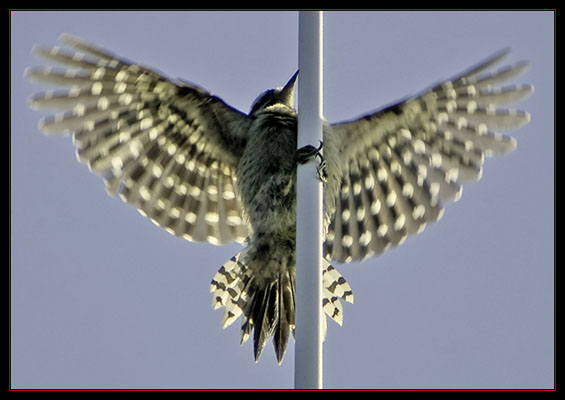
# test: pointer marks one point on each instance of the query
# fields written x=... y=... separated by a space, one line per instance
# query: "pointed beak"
x=288 y=89
x=291 y=81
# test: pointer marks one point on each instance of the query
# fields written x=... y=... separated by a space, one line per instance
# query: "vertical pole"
x=308 y=333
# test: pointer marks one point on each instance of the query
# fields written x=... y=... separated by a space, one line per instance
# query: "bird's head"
x=283 y=95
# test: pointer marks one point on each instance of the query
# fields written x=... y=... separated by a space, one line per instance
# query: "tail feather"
x=267 y=305
x=285 y=314
x=228 y=287
x=263 y=315
x=335 y=289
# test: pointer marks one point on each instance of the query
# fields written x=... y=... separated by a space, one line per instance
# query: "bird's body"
x=207 y=172
x=267 y=197
x=264 y=196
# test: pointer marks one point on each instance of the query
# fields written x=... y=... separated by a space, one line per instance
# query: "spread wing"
x=398 y=166
x=168 y=148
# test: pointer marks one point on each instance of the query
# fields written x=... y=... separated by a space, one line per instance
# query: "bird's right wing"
x=169 y=148
x=392 y=170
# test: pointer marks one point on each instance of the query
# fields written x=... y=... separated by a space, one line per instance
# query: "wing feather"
x=168 y=148
x=400 y=165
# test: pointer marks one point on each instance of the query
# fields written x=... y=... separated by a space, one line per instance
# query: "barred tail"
x=267 y=304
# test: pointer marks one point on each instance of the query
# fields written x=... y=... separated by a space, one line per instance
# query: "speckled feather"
x=400 y=165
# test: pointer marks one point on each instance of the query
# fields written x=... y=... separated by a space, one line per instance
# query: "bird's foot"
x=307 y=153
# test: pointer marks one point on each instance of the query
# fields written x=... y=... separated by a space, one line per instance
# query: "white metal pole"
x=308 y=334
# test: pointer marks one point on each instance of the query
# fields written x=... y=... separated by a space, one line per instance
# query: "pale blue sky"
x=102 y=298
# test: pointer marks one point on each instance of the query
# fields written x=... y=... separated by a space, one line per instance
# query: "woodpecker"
x=204 y=171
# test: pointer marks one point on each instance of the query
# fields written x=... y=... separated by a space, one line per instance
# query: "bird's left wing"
x=169 y=148
x=394 y=168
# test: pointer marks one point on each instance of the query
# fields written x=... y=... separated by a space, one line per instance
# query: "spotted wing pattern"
x=400 y=165
x=168 y=148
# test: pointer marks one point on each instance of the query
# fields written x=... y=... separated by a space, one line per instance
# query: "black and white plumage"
x=205 y=171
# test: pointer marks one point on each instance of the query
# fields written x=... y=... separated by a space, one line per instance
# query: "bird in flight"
x=206 y=172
